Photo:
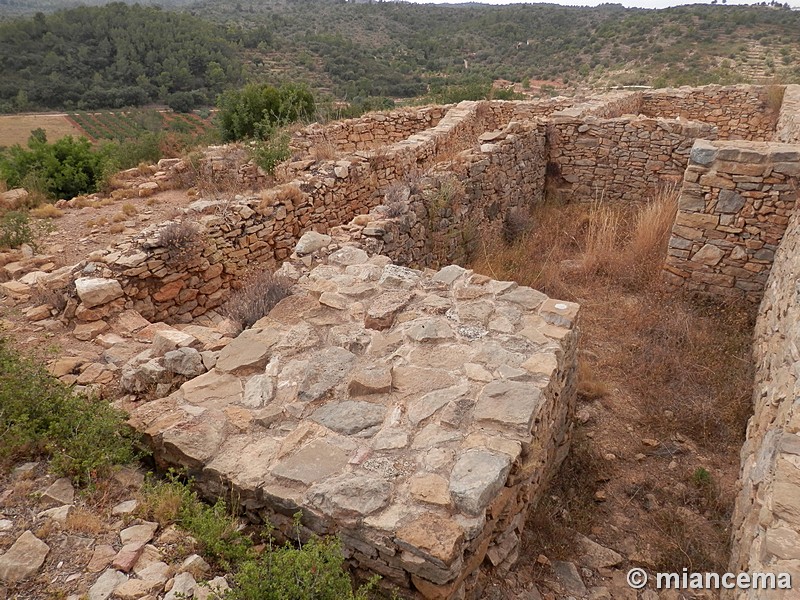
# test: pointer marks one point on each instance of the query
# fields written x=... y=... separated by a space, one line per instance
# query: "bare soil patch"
x=16 y=129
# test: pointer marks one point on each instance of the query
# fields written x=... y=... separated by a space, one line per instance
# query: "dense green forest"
x=93 y=57
x=114 y=56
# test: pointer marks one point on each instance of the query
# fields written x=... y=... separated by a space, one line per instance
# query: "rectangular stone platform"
x=415 y=414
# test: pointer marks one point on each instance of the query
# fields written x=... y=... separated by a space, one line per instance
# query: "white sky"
x=628 y=3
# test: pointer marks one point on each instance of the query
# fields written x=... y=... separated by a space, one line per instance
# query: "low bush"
x=273 y=150
x=15 y=230
x=310 y=571
x=84 y=436
x=256 y=298
x=182 y=240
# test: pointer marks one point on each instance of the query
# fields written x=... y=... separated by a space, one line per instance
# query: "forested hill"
x=397 y=48
x=112 y=56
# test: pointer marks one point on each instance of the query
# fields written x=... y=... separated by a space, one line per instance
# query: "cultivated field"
x=15 y=129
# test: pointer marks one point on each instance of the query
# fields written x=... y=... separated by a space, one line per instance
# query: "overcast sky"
x=629 y=3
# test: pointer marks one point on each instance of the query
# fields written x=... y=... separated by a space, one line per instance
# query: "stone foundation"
x=417 y=415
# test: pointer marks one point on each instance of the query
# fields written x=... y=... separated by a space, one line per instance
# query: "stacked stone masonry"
x=262 y=230
x=766 y=520
x=739 y=112
x=422 y=201
x=370 y=131
x=625 y=158
x=788 y=128
x=415 y=414
x=735 y=203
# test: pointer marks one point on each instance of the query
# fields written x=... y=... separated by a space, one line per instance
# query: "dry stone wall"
x=366 y=132
x=417 y=415
x=788 y=128
x=766 y=519
x=260 y=231
x=439 y=219
x=624 y=158
x=735 y=202
x=739 y=112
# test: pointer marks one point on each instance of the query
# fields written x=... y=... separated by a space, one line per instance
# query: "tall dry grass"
x=665 y=363
x=687 y=357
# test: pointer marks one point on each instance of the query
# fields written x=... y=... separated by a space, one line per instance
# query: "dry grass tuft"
x=182 y=240
x=82 y=520
x=46 y=211
x=774 y=98
x=323 y=150
x=256 y=298
x=55 y=298
x=589 y=387
x=116 y=228
x=673 y=353
x=129 y=209
x=286 y=194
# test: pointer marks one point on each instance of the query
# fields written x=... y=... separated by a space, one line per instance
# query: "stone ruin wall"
x=766 y=520
x=734 y=206
x=263 y=230
x=366 y=132
x=620 y=159
x=788 y=128
x=442 y=216
x=736 y=202
x=739 y=112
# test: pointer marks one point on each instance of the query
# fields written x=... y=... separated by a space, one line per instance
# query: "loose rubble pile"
x=95 y=556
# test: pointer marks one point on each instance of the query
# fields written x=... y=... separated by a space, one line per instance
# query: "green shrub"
x=255 y=110
x=311 y=571
x=39 y=415
x=272 y=151
x=215 y=529
x=63 y=169
x=15 y=230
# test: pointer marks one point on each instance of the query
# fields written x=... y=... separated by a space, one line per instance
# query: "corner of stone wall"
x=735 y=202
x=788 y=128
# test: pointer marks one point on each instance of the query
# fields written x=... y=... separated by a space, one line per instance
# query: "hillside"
x=387 y=49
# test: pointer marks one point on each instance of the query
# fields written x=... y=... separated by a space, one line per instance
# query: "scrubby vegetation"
x=255 y=111
x=257 y=296
x=313 y=570
x=366 y=53
x=83 y=436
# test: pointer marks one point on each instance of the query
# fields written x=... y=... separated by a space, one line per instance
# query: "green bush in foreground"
x=39 y=415
x=310 y=571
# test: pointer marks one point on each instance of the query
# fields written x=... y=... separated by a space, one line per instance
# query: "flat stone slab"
x=23 y=559
x=314 y=462
x=396 y=416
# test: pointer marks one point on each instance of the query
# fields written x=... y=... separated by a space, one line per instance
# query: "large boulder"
x=95 y=291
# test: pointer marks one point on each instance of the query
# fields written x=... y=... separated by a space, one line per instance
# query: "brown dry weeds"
x=654 y=364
